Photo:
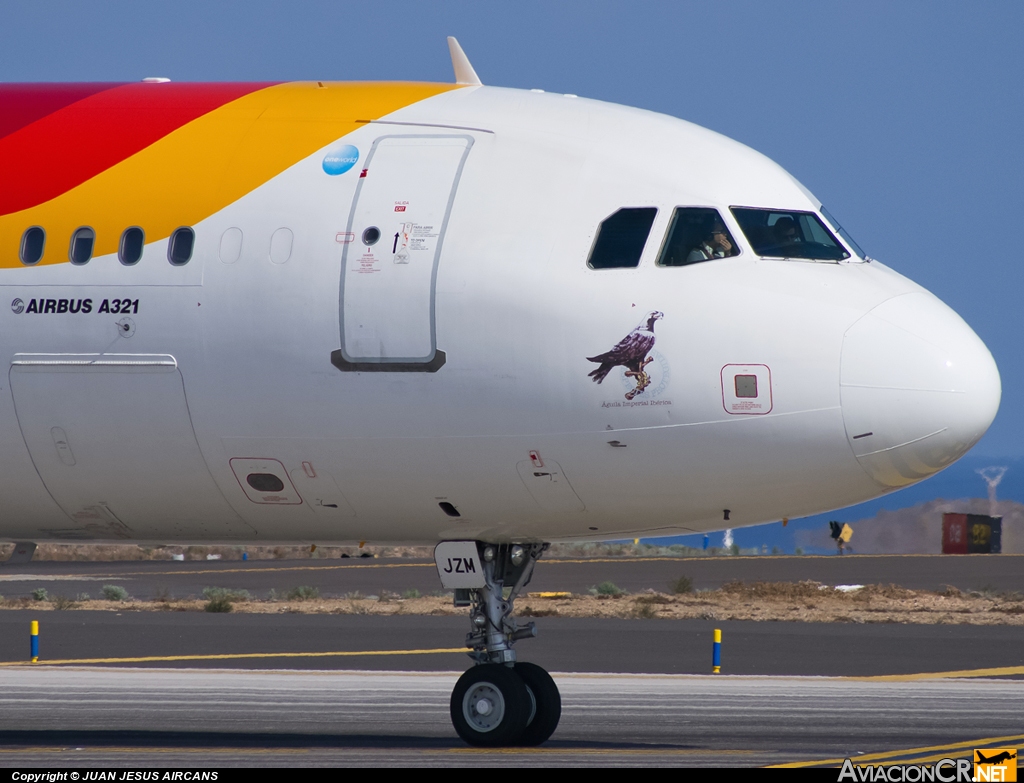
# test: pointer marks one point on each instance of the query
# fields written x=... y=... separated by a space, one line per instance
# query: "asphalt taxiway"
x=371 y=576
x=199 y=689
x=82 y=718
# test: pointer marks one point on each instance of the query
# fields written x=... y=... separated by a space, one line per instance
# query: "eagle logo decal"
x=631 y=353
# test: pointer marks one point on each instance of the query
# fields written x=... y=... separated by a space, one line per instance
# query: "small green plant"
x=413 y=593
x=645 y=611
x=272 y=594
x=82 y=597
x=114 y=593
x=682 y=585
x=40 y=594
x=218 y=604
x=62 y=602
x=226 y=594
x=607 y=588
x=303 y=593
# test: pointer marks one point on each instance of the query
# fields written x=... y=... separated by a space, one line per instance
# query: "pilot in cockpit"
x=786 y=232
x=716 y=244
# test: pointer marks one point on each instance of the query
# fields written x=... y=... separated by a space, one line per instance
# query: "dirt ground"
x=800 y=602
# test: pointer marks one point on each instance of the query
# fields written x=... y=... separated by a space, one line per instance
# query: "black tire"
x=508 y=704
x=548 y=702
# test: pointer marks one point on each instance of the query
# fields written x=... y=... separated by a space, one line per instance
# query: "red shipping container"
x=954 y=534
x=971 y=534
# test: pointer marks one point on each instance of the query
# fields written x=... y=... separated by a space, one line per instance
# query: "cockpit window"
x=696 y=234
x=783 y=234
x=621 y=238
x=843 y=233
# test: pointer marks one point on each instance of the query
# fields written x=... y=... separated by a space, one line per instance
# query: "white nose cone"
x=918 y=386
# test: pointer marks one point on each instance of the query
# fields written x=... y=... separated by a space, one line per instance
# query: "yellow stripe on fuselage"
x=200 y=168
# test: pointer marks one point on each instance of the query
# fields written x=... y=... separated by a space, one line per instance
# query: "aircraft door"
x=111 y=437
x=389 y=269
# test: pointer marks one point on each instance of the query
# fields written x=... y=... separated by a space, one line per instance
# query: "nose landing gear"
x=499 y=702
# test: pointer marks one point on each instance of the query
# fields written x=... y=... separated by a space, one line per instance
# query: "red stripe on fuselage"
x=57 y=151
x=25 y=103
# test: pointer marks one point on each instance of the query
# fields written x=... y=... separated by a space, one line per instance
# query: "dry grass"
x=764 y=601
x=109 y=553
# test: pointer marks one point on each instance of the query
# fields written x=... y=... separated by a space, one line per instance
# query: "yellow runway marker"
x=233 y=570
x=1003 y=671
x=905 y=754
x=103 y=749
x=235 y=656
x=593 y=751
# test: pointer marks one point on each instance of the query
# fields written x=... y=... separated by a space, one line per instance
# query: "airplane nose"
x=918 y=388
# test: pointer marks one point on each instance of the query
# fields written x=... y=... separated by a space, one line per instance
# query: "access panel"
x=389 y=268
x=112 y=440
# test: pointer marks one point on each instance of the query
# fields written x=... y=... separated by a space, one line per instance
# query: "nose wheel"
x=490 y=706
x=546 y=702
x=494 y=705
x=499 y=701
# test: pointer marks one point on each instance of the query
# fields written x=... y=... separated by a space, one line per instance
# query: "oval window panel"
x=32 y=243
x=281 y=245
x=231 y=245
x=81 y=245
x=179 y=248
x=133 y=240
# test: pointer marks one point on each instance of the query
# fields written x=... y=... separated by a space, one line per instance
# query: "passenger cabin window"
x=621 y=238
x=179 y=248
x=133 y=240
x=777 y=233
x=32 y=243
x=82 y=242
x=696 y=234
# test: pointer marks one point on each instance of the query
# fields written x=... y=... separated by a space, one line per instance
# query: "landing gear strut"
x=499 y=701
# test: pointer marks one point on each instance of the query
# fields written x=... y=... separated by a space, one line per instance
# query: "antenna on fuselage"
x=464 y=73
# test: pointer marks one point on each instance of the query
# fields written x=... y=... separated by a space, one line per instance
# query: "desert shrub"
x=607 y=588
x=114 y=593
x=413 y=593
x=63 y=602
x=303 y=593
x=40 y=594
x=218 y=604
x=644 y=611
x=226 y=594
x=682 y=585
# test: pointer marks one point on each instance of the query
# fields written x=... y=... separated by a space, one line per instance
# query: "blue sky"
x=906 y=119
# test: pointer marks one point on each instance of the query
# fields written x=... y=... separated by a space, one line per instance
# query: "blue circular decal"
x=340 y=160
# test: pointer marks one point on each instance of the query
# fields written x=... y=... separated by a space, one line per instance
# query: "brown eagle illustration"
x=631 y=353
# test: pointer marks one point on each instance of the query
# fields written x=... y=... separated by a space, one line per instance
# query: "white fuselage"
x=224 y=368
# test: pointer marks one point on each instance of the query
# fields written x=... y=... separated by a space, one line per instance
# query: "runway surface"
x=293 y=690
x=371 y=576
x=161 y=718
